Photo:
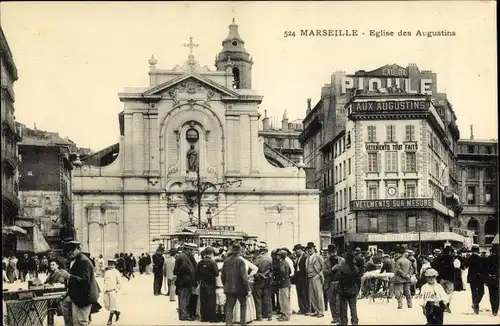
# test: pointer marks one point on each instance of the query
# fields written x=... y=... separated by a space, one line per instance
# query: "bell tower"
x=235 y=57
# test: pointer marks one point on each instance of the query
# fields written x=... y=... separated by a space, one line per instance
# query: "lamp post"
x=419 y=226
x=200 y=189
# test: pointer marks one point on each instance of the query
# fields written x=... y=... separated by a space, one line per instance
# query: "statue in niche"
x=192 y=158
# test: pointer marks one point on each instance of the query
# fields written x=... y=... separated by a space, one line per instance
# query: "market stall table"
x=32 y=306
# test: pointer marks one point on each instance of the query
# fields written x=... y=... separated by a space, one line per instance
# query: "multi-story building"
x=281 y=143
x=325 y=136
x=45 y=184
x=10 y=137
x=392 y=170
x=478 y=166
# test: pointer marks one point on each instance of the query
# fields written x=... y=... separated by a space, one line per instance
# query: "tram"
x=223 y=236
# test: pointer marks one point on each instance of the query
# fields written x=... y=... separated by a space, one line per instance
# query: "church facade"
x=191 y=129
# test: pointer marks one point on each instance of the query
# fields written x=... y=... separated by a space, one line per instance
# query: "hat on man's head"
x=71 y=245
x=209 y=251
x=262 y=244
x=324 y=249
x=311 y=245
x=112 y=261
x=380 y=250
x=410 y=252
x=189 y=245
x=332 y=247
x=386 y=256
x=234 y=249
x=298 y=247
x=475 y=248
x=400 y=250
x=437 y=251
x=282 y=253
x=357 y=250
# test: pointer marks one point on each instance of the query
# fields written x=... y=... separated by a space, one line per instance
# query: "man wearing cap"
x=82 y=286
x=206 y=275
x=236 y=286
x=446 y=273
x=332 y=265
x=402 y=279
x=158 y=262
x=300 y=279
x=262 y=285
x=168 y=273
x=315 y=281
x=185 y=280
x=476 y=276
x=284 y=286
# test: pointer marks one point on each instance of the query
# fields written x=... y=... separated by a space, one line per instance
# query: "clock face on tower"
x=391 y=191
x=234 y=43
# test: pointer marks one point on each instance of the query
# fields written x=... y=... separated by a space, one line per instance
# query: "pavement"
x=140 y=307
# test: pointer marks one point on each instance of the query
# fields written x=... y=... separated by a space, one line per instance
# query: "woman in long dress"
x=251 y=313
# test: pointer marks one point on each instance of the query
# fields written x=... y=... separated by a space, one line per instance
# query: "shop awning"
x=405 y=237
x=33 y=241
x=13 y=229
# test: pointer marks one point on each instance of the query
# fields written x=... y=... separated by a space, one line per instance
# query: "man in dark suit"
x=476 y=277
x=184 y=270
x=82 y=286
x=492 y=281
x=300 y=279
x=236 y=287
x=262 y=285
x=332 y=264
x=158 y=262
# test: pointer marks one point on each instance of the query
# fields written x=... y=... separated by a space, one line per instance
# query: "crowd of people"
x=241 y=283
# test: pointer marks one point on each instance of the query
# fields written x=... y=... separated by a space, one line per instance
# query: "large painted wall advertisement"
x=410 y=80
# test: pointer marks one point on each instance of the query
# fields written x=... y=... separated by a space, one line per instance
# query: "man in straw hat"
x=315 y=279
x=236 y=287
x=82 y=286
x=185 y=280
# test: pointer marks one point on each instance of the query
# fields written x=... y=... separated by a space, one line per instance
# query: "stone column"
x=232 y=144
x=147 y=144
x=154 y=153
x=138 y=142
x=254 y=144
x=245 y=146
x=128 y=150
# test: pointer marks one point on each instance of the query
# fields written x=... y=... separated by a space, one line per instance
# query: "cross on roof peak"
x=191 y=45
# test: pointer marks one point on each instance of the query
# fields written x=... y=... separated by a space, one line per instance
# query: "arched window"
x=236 y=75
x=473 y=225
x=490 y=230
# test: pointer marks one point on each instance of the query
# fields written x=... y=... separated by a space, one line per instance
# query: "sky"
x=74 y=57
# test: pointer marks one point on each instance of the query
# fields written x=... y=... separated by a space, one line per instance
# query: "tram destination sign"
x=381 y=204
x=390 y=106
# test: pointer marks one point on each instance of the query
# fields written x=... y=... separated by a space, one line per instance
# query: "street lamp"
x=209 y=218
x=419 y=224
x=190 y=214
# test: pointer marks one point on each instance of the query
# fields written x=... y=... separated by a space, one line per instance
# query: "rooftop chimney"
x=284 y=122
x=471 y=133
x=308 y=104
x=265 y=121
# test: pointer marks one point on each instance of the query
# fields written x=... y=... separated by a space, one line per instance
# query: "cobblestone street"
x=140 y=307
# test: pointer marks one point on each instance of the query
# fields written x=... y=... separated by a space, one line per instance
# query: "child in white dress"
x=434 y=298
x=112 y=283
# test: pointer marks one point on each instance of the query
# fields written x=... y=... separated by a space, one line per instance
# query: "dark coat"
x=207 y=271
x=492 y=268
x=388 y=265
x=55 y=277
x=300 y=264
x=185 y=271
x=234 y=276
x=444 y=266
x=284 y=274
x=402 y=270
x=264 y=263
x=329 y=274
x=349 y=277
x=158 y=261
x=477 y=269
x=82 y=286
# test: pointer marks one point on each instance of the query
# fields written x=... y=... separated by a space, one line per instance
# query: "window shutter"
x=418 y=159
x=403 y=161
x=388 y=133
x=395 y=164
x=379 y=162
x=387 y=161
x=366 y=162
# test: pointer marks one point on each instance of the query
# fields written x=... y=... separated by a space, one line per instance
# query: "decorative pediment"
x=192 y=86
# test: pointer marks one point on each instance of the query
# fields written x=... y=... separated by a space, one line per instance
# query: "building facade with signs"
x=10 y=137
x=281 y=142
x=478 y=166
x=45 y=189
x=191 y=125
x=324 y=137
x=393 y=171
